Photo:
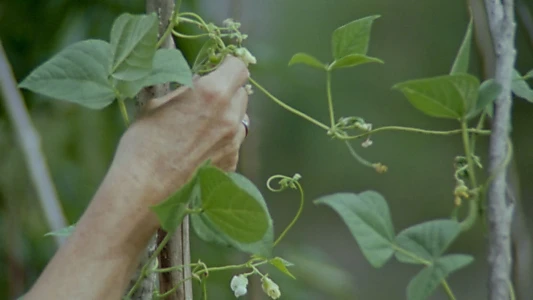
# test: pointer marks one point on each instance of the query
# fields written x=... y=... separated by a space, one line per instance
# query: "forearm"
x=99 y=258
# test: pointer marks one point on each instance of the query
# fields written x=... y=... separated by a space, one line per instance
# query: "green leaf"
x=171 y=212
x=520 y=87
x=234 y=213
x=203 y=55
x=368 y=218
x=449 y=96
x=427 y=241
x=76 y=74
x=489 y=90
x=133 y=40
x=460 y=65
x=306 y=59
x=528 y=75
x=282 y=265
x=427 y=280
x=169 y=66
x=353 y=60
x=352 y=38
x=67 y=231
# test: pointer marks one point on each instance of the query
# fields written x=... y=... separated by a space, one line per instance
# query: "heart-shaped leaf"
x=489 y=90
x=460 y=65
x=427 y=280
x=169 y=66
x=306 y=59
x=353 y=60
x=76 y=74
x=427 y=241
x=450 y=96
x=133 y=40
x=520 y=87
x=368 y=218
x=171 y=212
x=234 y=212
x=282 y=265
x=352 y=38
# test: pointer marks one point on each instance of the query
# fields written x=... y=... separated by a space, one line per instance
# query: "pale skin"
x=155 y=157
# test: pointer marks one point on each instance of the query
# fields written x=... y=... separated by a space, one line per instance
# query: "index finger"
x=231 y=75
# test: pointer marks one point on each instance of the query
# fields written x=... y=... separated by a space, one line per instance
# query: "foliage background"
x=414 y=38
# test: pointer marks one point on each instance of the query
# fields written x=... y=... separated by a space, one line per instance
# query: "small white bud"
x=248 y=89
x=238 y=285
x=228 y=22
x=367 y=143
x=270 y=288
x=246 y=56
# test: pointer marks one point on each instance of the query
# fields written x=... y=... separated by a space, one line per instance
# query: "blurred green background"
x=414 y=38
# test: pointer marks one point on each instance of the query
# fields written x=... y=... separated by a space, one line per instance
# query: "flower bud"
x=248 y=89
x=238 y=285
x=270 y=288
x=367 y=143
x=246 y=56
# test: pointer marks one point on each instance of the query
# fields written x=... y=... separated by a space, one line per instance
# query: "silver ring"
x=246 y=125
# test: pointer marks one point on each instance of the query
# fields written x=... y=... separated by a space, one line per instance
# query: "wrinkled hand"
x=180 y=131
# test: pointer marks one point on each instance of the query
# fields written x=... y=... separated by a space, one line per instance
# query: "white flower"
x=246 y=56
x=238 y=285
x=248 y=89
x=270 y=288
x=367 y=143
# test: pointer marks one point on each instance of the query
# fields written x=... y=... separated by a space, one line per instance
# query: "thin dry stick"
x=177 y=251
x=500 y=16
x=31 y=147
x=520 y=234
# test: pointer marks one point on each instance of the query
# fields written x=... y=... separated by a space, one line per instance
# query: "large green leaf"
x=427 y=280
x=353 y=60
x=460 y=65
x=352 y=38
x=368 y=218
x=133 y=40
x=306 y=59
x=520 y=87
x=234 y=212
x=489 y=90
x=76 y=74
x=427 y=241
x=449 y=96
x=169 y=66
x=171 y=212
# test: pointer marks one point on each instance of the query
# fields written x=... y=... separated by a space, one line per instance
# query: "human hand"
x=178 y=132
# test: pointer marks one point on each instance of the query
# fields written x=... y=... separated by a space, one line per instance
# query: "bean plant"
x=227 y=208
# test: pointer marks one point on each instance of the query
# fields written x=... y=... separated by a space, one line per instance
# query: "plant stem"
x=296 y=217
x=411 y=255
x=417 y=130
x=479 y=125
x=448 y=289
x=124 y=111
x=472 y=203
x=330 y=99
x=166 y=33
x=357 y=157
x=176 y=287
x=145 y=267
x=184 y=36
x=289 y=108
